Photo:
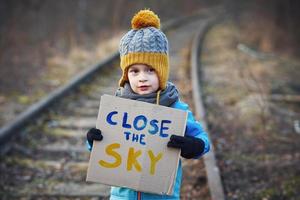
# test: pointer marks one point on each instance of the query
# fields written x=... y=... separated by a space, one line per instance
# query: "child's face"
x=143 y=79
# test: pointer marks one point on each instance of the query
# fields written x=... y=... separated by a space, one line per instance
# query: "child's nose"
x=143 y=77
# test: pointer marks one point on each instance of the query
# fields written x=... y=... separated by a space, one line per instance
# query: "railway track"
x=47 y=158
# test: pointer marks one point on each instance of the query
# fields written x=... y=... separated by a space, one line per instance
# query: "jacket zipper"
x=139 y=197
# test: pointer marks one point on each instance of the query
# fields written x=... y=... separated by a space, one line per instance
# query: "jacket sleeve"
x=193 y=127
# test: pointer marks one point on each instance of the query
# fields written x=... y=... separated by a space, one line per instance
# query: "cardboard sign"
x=134 y=152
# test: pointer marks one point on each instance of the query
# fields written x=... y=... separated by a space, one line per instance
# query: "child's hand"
x=93 y=134
x=191 y=147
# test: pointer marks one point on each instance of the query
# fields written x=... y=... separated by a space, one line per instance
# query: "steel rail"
x=212 y=170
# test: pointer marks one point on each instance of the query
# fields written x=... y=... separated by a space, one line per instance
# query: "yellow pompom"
x=145 y=18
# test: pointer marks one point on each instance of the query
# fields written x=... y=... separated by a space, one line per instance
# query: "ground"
x=253 y=110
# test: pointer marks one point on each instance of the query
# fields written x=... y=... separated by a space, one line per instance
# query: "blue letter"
x=164 y=128
x=135 y=122
x=109 y=116
x=124 y=124
x=153 y=123
x=142 y=139
x=135 y=137
x=127 y=135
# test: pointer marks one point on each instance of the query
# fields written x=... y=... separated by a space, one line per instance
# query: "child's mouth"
x=144 y=88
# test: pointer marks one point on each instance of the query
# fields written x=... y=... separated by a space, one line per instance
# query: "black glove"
x=93 y=134
x=190 y=146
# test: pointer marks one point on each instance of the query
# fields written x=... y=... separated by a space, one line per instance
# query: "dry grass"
x=59 y=69
x=245 y=122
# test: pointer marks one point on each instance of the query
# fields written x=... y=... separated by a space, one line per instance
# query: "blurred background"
x=44 y=43
x=252 y=92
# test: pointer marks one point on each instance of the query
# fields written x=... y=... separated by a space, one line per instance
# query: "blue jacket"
x=193 y=128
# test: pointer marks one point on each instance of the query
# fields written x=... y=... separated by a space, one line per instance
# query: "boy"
x=145 y=67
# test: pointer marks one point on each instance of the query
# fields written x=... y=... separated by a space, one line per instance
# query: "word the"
x=135 y=137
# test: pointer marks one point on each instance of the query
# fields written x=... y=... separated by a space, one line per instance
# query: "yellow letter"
x=109 y=151
x=153 y=160
x=131 y=160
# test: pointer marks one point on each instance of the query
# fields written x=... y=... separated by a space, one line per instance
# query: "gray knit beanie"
x=145 y=44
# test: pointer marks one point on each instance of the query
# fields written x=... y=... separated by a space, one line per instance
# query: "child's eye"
x=133 y=71
x=151 y=70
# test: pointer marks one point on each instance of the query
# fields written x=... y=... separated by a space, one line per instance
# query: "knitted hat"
x=146 y=44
